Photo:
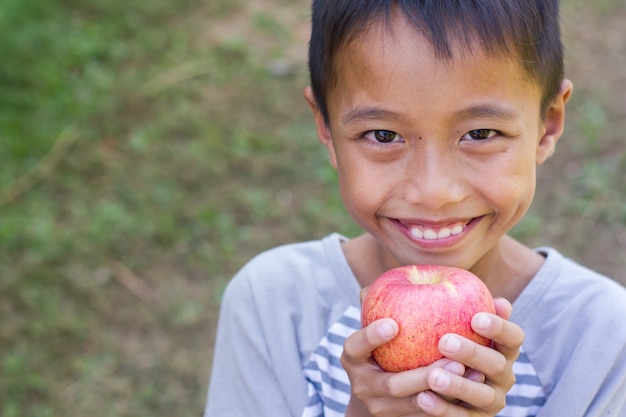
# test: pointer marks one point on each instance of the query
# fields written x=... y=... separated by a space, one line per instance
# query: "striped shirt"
x=329 y=386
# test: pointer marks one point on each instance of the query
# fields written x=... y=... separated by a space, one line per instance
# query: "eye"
x=382 y=136
x=480 y=134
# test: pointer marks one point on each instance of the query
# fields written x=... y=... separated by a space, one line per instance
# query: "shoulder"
x=296 y=289
x=566 y=309
x=294 y=265
x=583 y=288
x=307 y=276
x=573 y=319
x=564 y=285
x=294 y=256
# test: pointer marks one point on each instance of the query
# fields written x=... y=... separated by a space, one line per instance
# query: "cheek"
x=514 y=189
x=363 y=188
x=356 y=195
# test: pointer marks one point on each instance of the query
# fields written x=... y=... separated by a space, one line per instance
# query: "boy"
x=435 y=115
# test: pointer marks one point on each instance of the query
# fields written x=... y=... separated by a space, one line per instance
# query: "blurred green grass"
x=141 y=161
x=148 y=149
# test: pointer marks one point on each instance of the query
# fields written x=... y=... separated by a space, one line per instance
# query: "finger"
x=363 y=293
x=431 y=403
x=435 y=405
x=476 y=394
x=474 y=375
x=359 y=345
x=407 y=383
x=503 y=307
x=506 y=334
x=489 y=361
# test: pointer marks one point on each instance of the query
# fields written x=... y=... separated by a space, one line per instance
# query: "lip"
x=435 y=234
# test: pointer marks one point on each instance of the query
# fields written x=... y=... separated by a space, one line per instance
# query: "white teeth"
x=456 y=230
x=430 y=234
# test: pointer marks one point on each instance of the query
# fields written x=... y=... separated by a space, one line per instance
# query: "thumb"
x=359 y=345
x=363 y=293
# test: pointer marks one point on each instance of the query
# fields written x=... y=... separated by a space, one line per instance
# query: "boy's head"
x=436 y=117
x=526 y=30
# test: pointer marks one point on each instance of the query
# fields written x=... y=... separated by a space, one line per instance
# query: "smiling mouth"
x=433 y=231
x=419 y=232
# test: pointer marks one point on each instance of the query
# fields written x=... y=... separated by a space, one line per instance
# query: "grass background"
x=148 y=149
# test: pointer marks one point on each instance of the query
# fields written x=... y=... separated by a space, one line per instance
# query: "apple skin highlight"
x=427 y=302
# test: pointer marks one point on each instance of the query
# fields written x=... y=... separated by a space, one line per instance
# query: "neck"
x=506 y=269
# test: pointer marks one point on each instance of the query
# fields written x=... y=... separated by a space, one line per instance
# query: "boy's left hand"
x=482 y=391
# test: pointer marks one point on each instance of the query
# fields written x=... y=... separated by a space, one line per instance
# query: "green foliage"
x=134 y=180
x=149 y=149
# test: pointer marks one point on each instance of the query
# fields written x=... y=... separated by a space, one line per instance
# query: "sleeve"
x=576 y=335
x=593 y=378
x=249 y=377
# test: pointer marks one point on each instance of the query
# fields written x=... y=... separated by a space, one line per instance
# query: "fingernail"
x=451 y=343
x=387 y=329
x=476 y=376
x=482 y=321
x=455 y=367
x=425 y=400
x=441 y=380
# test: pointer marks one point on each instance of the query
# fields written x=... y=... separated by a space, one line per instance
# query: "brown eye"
x=385 y=136
x=481 y=134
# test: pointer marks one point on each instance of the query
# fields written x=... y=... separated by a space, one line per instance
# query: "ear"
x=323 y=130
x=554 y=123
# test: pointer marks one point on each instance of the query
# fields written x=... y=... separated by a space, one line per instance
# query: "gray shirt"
x=281 y=305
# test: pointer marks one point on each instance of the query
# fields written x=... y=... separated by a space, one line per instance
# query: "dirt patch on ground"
x=581 y=193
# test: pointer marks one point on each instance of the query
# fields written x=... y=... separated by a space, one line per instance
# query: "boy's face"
x=435 y=158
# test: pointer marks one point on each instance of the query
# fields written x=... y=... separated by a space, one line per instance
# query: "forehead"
x=396 y=56
x=398 y=32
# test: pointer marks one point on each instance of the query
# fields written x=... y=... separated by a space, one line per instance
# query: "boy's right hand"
x=376 y=392
x=478 y=379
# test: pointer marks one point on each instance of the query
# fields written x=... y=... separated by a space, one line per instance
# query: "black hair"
x=526 y=30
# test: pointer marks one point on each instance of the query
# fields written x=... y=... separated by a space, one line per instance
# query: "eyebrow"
x=483 y=111
x=488 y=111
x=369 y=113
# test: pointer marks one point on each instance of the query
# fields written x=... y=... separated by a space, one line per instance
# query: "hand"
x=482 y=391
x=379 y=393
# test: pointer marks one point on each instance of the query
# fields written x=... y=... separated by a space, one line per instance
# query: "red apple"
x=427 y=301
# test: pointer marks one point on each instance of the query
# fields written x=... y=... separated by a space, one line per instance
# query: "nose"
x=434 y=177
